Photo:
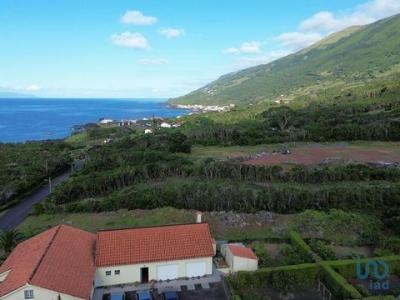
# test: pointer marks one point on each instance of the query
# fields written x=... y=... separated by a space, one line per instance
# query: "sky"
x=158 y=48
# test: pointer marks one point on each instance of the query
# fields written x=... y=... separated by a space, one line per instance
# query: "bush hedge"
x=347 y=268
x=334 y=274
x=286 y=278
x=301 y=246
x=337 y=284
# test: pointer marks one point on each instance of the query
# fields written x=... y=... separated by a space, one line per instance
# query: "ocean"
x=42 y=119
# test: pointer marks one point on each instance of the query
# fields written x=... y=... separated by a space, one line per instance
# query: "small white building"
x=106 y=121
x=239 y=258
x=165 y=125
x=148 y=131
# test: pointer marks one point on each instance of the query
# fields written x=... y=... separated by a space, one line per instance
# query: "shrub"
x=264 y=259
x=301 y=247
x=287 y=278
x=363 y=290
x=320 y=248
x=347 y=268
x=284 y=281
x=254 y=295
x=382 y=252
x=391 y=244
x=337 y=284
x=291 y=256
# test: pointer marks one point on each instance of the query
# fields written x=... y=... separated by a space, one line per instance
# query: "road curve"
x=16 y=214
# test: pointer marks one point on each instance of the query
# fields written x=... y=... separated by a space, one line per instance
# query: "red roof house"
x=60 y=259
x=151 y=244
x=65 y=261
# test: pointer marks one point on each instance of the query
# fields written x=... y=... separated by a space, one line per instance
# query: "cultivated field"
x=313 y=154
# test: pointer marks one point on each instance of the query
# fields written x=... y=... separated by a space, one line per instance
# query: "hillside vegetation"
x=352 y=57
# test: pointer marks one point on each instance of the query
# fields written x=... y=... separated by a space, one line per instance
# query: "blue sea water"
x=41 y=119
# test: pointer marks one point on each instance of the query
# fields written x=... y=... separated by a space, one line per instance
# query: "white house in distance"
x=69 y=264
x=165 y=125
x=239 y=258
x=106 y=121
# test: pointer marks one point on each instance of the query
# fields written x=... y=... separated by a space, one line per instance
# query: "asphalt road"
x=16 y=214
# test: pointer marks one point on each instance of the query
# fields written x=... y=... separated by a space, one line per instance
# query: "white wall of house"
x=171 y=269
x=237 y=263
x=38 y=293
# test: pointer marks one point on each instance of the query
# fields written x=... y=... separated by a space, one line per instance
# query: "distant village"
x=206 y=108
x=149 y=124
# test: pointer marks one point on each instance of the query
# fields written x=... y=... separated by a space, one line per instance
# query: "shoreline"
x=157 y=108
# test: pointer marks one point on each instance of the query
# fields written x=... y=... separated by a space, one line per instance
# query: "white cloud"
x=366 y=13
x=232 y=51
x=322 y=21
x=32 y=88
x=265 y=58
x=247 y=48
x=172 y=33
x=153 y=61
x=136 y=17
x=327 y=22
x=380 y=8
x=131 y=40
x=298 y=40
x=251 y=47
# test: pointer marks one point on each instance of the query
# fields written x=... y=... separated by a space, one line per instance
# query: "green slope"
x=353 y=56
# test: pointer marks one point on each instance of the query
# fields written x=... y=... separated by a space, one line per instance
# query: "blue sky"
x=157 y=48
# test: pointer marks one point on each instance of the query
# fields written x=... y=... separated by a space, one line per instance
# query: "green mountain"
x=353 y=56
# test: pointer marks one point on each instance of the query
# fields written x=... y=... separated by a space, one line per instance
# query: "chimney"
x=199 y=217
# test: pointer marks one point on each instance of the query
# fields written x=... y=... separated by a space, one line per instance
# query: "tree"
x=9 y=240
x=279 y=117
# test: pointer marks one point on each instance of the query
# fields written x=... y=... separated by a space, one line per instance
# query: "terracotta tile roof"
x=242 y=252
x=150 y=244
x=60 y=259
x=23 y=261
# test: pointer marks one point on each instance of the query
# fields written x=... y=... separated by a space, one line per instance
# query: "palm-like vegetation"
x=9 y=240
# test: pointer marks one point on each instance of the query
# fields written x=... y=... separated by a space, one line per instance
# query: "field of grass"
x=224 y=225
x=220 y=152
x=108 y=220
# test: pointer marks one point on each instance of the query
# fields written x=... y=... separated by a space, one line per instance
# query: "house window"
x=117 y=272
x=28 y=294
x=108 y=273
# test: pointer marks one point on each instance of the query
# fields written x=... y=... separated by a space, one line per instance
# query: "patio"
x=180 y=285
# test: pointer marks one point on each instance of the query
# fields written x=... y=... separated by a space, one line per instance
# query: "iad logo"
x=376 y=271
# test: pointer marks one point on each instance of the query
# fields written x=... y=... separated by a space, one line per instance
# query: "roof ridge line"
x=152 y=226
x=44 y=253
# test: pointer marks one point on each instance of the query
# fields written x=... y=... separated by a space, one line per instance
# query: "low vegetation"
x=26 y=166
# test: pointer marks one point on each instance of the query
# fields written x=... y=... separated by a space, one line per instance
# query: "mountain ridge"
x=352 y=56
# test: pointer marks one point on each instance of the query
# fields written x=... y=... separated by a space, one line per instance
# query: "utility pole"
x=48 y=175
x=50 y=187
